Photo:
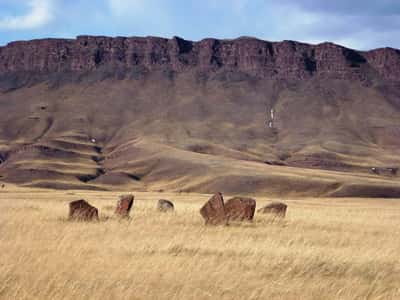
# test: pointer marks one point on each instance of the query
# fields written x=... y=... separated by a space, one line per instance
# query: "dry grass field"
x=324 y=249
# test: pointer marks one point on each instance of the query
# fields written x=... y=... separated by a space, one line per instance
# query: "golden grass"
x=324 y=249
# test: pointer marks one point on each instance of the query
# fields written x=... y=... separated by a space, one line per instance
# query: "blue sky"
x=357 y=24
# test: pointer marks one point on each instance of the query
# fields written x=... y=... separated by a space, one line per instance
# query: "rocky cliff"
x=287 y=59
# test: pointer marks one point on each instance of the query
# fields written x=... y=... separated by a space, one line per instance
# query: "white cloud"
x=40 y=13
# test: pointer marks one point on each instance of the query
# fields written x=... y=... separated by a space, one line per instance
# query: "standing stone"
x=213 y=211
x=240 y=209
x=124 y=205
x=276 y=208
x=165 y=205
x=81 y=210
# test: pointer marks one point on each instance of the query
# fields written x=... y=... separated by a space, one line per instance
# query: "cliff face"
x=287 y=59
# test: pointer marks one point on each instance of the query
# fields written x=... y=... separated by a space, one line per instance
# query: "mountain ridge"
x=238 y=116
x=286 y=59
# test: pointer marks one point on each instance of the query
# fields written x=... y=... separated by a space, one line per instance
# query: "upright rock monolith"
x=124 y=205
x=213 y=211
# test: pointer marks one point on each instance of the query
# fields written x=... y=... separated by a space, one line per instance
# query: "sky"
x=359 y=24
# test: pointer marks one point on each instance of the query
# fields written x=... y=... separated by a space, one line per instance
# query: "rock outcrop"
x=286 y=59
x=81 y=210
x=275 y=208
x=165 y=205
x=240 y=209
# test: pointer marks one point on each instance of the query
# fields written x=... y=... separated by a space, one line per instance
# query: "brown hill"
x=238 y=116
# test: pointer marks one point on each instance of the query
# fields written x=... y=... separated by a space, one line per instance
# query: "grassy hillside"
x=203 y=133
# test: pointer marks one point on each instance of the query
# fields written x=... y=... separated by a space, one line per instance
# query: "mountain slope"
x=241 y=116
